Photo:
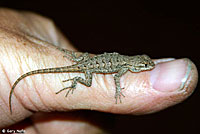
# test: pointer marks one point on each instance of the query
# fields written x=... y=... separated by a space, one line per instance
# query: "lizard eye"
x=145 y=65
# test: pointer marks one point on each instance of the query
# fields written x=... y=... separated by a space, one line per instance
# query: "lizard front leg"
x=87 y=82
x=117 y=76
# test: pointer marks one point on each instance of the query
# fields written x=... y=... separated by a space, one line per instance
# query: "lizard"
x=106 y=63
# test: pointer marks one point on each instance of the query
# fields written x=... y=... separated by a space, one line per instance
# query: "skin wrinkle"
x=36 y=89
x=137 y=96
x=96 y=83
x=104 y=84
x=159 y=102
x=8 y=80
x=98 y=79
x=38 y=94
x=34 y=83
x=138 y=107
x=143 y=105
x=107 y=82
x=63 y=85
x=156 y=101
x=19 y=60
x=135 y=105
x=20 y=68
x=52 y=93
x=49 y=108
x=46 y=83
x=47 y=87
x=34 y=86
x=26 y=92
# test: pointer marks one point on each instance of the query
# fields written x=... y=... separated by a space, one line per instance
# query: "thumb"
x=146 y=92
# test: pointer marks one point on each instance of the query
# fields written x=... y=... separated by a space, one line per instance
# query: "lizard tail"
x=39 y=71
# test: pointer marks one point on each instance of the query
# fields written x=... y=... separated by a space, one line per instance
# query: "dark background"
x=159 y=29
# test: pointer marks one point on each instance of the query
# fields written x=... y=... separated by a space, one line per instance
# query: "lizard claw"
x=67 y=80
x=71 y=89
x=122 y=93
x=118 y=96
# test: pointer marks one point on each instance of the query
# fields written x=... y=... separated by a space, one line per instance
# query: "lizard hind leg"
x=74 y=56
x=71 y=88
x=86 y=82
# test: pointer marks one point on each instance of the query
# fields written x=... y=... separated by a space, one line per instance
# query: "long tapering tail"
x=40 y=71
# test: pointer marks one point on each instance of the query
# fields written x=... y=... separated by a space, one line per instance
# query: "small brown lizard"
x=102 y=63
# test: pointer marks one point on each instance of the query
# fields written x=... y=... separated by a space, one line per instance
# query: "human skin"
x=27 y=42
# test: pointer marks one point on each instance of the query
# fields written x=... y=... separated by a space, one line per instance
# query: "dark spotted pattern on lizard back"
x=102 y=63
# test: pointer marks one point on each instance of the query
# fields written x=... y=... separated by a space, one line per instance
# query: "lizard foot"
x=71 y=89
x=118 y=96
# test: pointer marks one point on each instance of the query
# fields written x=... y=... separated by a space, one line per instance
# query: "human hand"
x=28 y=42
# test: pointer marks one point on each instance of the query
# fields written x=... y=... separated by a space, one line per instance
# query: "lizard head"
x=140 y=63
